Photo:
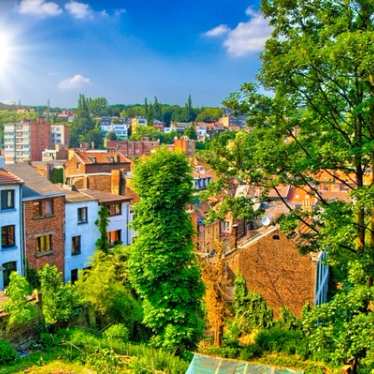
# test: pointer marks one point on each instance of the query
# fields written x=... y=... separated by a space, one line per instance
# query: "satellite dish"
x=266 y=221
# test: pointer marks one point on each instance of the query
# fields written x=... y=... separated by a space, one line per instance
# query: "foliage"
x=162 y=265
x=277 y=339
x=190 y=132
x=251 y=310
x=59 y=301
x=209 y=115
x=7 y=352
x=106 y=290
x=117 y=331
x=216 y=283
x=57 y=175
x=84 y=129
x=342 y=330
x=102 y=222
x=21 y=311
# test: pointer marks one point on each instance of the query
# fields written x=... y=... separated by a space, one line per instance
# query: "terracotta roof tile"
x=7 y=177
x=100 y=157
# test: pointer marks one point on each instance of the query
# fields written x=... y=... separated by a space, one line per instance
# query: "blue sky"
x=126 y=50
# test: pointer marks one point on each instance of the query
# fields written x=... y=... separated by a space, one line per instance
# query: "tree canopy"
x=162 y=266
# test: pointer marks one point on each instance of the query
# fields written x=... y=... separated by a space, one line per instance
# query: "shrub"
x=7 y=352
x=250 y=351
x=281 y=340
x=118 y=331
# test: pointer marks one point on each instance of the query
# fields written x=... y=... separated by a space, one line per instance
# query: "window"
x=114 y=237
x=8 y=268
x=115 y=209
x=74 y=275
x=43 y=208
x=76 y=245
x=44 y=244
x=82 y=215
x=7 y=199
x=276 y=237
x=8 y=236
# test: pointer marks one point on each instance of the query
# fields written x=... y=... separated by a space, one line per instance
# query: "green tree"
x=106 y=291
x=190 y=132
x=318 y=65
x=162 y=265
x=157 y=110
x=98 y=106
x=59 y=301
x=102 y=223
x=21 y=311
x=209 y=115
x=190 y=115
x=84 y=129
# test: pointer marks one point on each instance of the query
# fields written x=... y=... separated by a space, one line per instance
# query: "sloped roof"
x=100 y=157
x=7 y=177
x=35 y=185
x=106 y=197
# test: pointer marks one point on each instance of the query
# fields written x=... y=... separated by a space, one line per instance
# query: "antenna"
x=48 y=106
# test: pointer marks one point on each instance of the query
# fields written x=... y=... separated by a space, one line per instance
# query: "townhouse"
x=81 y=232
x=120 y=215
x=11 y=252
x=43 y=218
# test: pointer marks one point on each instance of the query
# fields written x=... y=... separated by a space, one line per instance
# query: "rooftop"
x=105 y=197
x=8 y=178
x=35 y=185
x=101 y=157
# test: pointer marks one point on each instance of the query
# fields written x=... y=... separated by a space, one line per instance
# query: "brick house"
x=44 y=218
x=273 y=267
x=93 y=169
x=132 y=148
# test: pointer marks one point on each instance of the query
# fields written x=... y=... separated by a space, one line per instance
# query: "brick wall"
x=275 y=270
x=131 y=148
x=40 y=138
x=44 y=226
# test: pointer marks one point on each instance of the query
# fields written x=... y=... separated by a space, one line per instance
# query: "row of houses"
x=44 y=223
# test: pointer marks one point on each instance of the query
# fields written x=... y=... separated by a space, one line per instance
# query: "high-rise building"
x=26 y=140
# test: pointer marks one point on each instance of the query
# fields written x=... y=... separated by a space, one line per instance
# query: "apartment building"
x=133 y=149
x=120 y=127
x=43 y=218
x=60 y=134
x=11 y=252
x=26 y=140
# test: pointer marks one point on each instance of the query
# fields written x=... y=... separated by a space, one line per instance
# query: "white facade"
x=59 y=134
x=121 y=223
x=17 y=145
x=87 y=231
x=11 y=257
x=118 y=126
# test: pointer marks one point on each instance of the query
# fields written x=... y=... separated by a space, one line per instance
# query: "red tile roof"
x=97 y=157
x=7 y=177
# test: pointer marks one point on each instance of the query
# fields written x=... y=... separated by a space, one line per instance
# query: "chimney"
x=116 y=182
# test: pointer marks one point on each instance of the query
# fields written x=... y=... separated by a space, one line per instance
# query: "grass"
x=81 y=352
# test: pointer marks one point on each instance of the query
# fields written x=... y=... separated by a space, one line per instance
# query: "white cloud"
x=217 y=31
x=246 y=37
x=79 y=10
x=40 y=8
x=75 y=82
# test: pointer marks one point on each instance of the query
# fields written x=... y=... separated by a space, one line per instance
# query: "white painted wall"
x=88 y=231
x=12 y=217
x=121 y=222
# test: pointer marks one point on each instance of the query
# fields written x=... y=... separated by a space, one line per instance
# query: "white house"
x=11 y=224
x=118 y=229
x=81 y=232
